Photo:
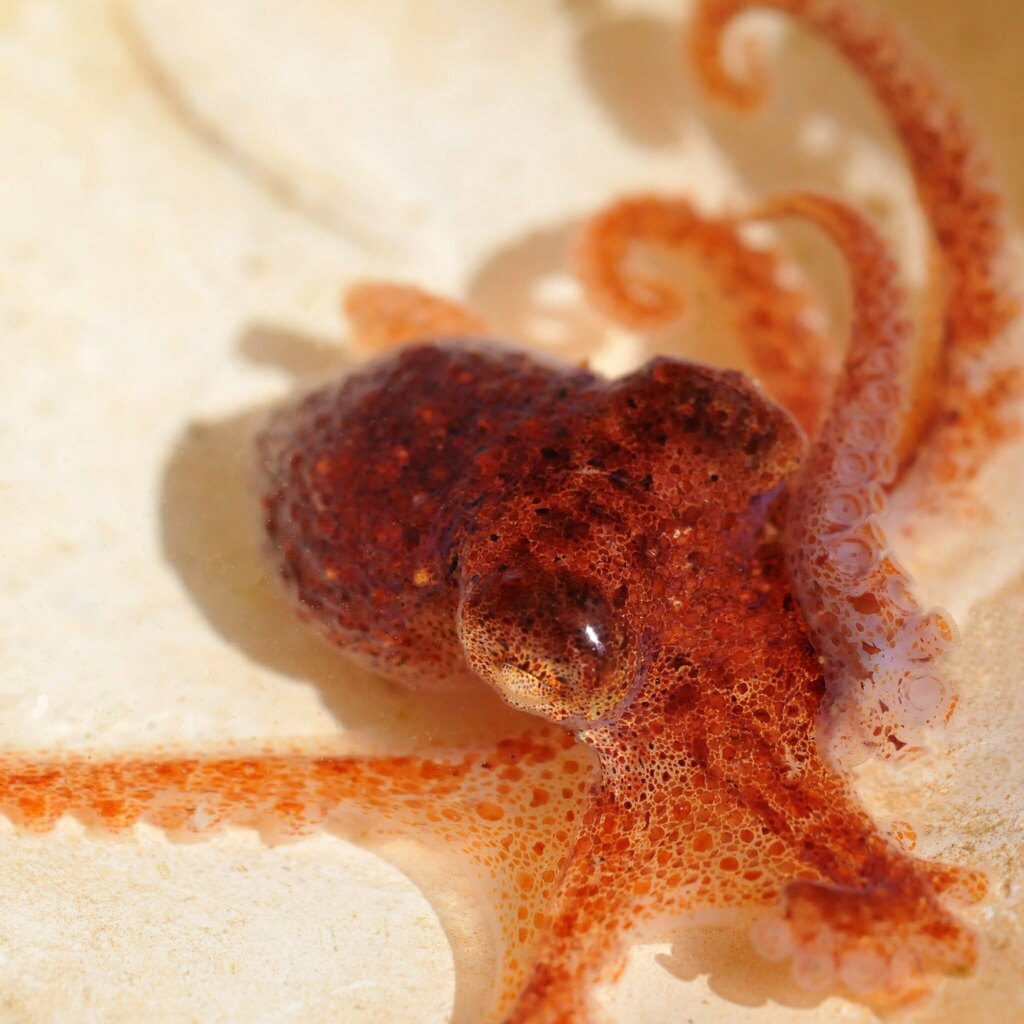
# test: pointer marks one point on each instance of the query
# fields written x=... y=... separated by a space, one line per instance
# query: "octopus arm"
x=681 y=826
x=385 y=316
x=508 y=814
x=882 y=649
x=774 y=320
x=979 y=378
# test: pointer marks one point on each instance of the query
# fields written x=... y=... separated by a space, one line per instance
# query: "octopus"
x=684 y=578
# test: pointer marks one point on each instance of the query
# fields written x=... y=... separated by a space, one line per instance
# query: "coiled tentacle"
x=980 y=377
x=774 y=320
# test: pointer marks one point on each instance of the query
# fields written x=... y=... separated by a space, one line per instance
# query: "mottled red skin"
x=490 y=459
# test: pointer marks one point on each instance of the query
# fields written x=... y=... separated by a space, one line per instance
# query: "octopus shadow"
x=631 y=65
x=510 y=288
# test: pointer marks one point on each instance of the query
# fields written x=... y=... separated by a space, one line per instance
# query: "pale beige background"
x=184 y=189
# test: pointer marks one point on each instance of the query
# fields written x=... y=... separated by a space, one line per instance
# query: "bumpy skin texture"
x=699 y=606
x=882 y=652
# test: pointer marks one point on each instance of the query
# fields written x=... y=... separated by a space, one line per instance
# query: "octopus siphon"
x=684 y=578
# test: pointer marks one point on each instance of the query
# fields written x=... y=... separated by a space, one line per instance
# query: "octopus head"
x=603 y=538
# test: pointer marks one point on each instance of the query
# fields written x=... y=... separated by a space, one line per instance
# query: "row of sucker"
x=882 y=650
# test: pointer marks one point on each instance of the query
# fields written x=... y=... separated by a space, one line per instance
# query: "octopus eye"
x=549 y=645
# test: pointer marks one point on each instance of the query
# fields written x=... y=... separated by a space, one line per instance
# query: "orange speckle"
x=489 y=811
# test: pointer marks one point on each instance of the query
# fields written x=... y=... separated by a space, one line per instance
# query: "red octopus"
x=699 y=605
